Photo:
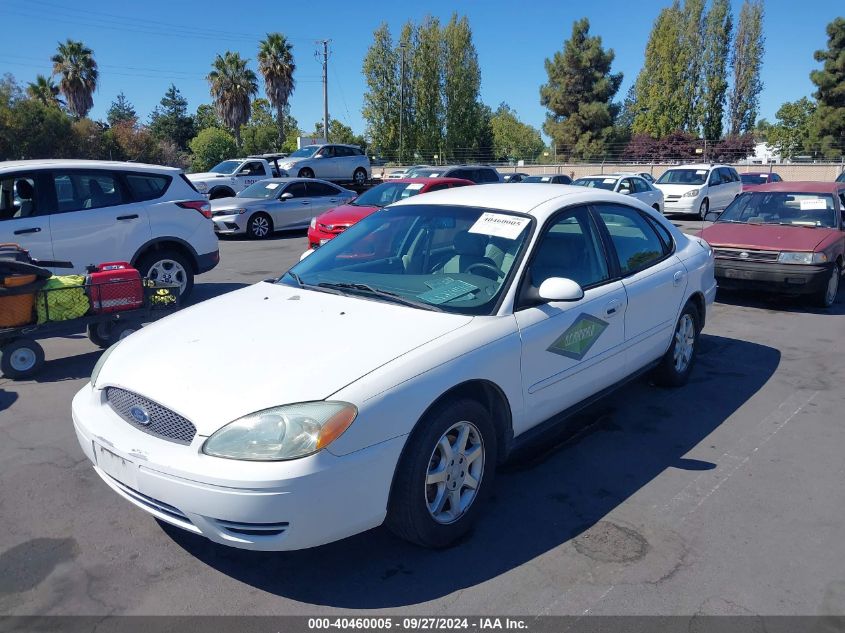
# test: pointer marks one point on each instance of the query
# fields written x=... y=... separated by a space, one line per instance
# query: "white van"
x=698 y=188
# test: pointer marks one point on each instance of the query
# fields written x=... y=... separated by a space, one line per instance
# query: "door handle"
x=35 y=229
x=305 y=202
x=679 y=277
x=612 y=308
x=134 y=216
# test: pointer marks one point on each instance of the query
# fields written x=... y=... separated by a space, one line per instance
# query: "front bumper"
x=682 y=205
x=793 y=279
x=229 y=224
x=251 y=505
x=316 y=237
x=207 y=261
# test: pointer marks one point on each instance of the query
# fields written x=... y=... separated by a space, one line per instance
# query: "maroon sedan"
x=784 y=237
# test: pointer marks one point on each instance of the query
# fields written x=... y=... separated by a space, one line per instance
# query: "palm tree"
x=276 y=65
x=44 y=90
x=74 y=64
x=232 y=87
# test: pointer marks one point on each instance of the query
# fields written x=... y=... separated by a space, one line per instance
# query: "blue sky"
x=143 y=47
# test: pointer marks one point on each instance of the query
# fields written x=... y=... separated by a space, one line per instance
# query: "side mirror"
x=560 y=289
x=625 y=191
x=318 y=156
x=712 y=216
x=244 y=172
x=287 y=195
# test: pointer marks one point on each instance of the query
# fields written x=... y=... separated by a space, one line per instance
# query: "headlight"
x=286 y=432
x=102 y=361
x=286 y=165
x=313 y=223
x=201 y=187
x=692 y=193
x=802 y=258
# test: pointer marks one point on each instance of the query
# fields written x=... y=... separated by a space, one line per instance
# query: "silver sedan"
x=276 y=204
x=630 y=184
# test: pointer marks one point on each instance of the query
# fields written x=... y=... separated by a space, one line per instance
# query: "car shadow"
x=544 y=497
x=68 y=368
x=7 y=399
x=209 y=290
x=276 y=236
x=781 y=303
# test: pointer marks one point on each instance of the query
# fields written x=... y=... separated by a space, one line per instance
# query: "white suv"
x=88 y=212
x=339 y=163
x=698 y=188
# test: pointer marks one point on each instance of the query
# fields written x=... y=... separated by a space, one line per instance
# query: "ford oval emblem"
x=140 y=415
x=743 y=255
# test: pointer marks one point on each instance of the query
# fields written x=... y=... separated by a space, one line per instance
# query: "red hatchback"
x=784 y=237
x=334 y=221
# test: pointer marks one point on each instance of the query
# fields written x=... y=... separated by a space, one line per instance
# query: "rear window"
x=147 y=187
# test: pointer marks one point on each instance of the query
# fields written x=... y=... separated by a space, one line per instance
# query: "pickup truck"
x=231 y=176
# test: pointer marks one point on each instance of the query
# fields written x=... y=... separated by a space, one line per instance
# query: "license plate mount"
x=123 y=470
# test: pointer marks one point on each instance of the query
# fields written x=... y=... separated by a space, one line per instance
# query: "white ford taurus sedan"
x=410 y=356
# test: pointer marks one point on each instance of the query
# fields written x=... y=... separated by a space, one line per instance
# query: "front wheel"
x=306 y=172
x=21 y=359
x=168 y=267
x=444 y=475
x=675 y=367
x=359 y=177
x=827 y=295
x=704 y=208
x=259 y=227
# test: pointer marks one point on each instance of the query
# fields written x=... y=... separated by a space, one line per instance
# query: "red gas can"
x=115 y=286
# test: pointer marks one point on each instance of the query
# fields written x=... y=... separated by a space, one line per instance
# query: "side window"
x=319 y=189
x=344 y=151
x=438 y=187
x=297 y=190
x=254 y=169
x=715 y=178
x=626 y=184
x=634 y=238
x=143 y=187
x=18 y=197
x=775 y=178
x=79 y=190
x=570 y=248
x=640 y=185
x=462 y=173
x=727 y=178
x=664 y=234
x=488 y=175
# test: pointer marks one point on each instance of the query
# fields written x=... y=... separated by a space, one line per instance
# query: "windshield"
x=754 y=179
x=683 y=177
x=226 y=167
x=435 y=257
x=262 y=189
x=383 y=194
x=596 y=183
x=791 y=209
x=305 y=152
x=427 y=172
x=537 y=179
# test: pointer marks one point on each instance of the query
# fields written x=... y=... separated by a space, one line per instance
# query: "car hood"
x=205 y=175
x=263 y=346
x=226 y=204
x=677 y=189
x=346 y=214
x=772 y=237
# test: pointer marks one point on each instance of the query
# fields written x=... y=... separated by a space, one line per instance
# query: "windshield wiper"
x=385 y=294
x=296 y=278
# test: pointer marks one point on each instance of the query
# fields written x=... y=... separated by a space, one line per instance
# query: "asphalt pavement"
x=723 y=497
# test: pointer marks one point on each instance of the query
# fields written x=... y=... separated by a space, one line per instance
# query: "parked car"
x=229 y=177
x=753 y=178
x=698 y=188
x=514 y=177
x=479 y=174
x=276 y=204
x=626 y=184
x=404 y=171
x=329 y=161
x=333 y=222
x=841 y=177
x=554 y=179
x=784 y=238
x=645 y=175
x=274 y=158
x=88 y=212
x=495 y=312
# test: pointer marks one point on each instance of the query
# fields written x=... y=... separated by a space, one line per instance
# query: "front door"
x=293 y=212
x=23 y=213
x=570 y=350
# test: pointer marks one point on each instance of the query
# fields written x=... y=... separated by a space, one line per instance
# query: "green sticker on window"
x=579 y=337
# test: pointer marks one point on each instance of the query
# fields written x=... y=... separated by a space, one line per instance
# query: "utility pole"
x=401 y=99
x=325 y=44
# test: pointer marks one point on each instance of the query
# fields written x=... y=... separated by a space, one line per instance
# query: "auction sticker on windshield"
x=813 y=204
x=414 y=186
x=272 y=185
x=499 y=225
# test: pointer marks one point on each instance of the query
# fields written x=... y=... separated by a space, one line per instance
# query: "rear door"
x=24 y=206
x=323 y=197
x=95 y=217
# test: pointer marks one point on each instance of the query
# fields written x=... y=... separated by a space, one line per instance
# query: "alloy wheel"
x=454 y=472
x=684 y=343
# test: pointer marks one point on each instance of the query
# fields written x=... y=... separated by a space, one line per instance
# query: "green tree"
x=428 y=88
x=211 y=146
x=78 y=75
x=206 y=117
x=690 y=58
x=761 y=130
x=233 y=86
x=121 y=111
x=44 y=90
x=461 y=87
x=170 y=119
x=33 y=130
x=380 y=110
x=791 y=134
x=579 y=95
x=747 y=62
x=717 y=42
x=406 y=47
x=135 y=142
x=261 y=134
x=513 y=139
x=276 y=65
x=90 y=141
x=829 y=120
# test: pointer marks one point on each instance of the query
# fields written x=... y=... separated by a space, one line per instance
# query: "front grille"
x=672 y=198
x=162 y=421
x=750 y=255
x=333 y=228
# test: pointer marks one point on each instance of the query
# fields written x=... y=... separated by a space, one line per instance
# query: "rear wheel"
x=444 y=475
x=108 y=333
x=827 y=296
x=306 y=172
x=168 y=267
x=260 y=226
x=21 y=359
x=675 y=367
x=359 y=177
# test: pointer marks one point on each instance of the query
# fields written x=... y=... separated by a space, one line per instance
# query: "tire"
x=221 y=192
x=110 y=332
x=826 y=296
x=21 y=359
x=306 y=172
x=417 y=511
x=259 y=226
x=704 y=208
x=676 y=365
x=359 y=177
x=168 y=266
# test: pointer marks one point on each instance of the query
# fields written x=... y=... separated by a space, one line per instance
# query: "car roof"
x=84 y=164
x=699 y=166
x=801 y=186
x=296 y=179
x=617 y=176
x=429 y=181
